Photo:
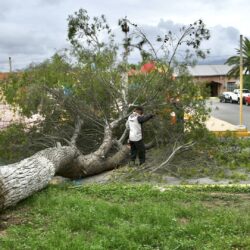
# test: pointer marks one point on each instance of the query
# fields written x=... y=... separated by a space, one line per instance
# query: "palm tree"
x=235 y=60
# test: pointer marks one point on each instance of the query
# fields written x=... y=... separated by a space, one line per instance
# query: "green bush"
x=14 y=144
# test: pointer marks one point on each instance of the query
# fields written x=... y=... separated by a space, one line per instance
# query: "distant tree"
x=246 y=80
x=235 y=60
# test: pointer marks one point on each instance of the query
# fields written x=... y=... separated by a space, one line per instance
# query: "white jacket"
x=135 y=129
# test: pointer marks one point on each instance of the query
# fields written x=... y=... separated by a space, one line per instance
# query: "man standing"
x=134 y=124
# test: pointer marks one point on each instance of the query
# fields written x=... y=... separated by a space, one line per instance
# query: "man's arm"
x=144 y=118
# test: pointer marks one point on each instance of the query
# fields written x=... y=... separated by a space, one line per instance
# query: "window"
x=231 y=86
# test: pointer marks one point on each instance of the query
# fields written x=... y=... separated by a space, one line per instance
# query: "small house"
x=215 y=77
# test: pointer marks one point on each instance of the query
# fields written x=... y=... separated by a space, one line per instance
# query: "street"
x=229 y=112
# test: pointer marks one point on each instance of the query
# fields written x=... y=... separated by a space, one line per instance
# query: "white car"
x=225 y=96
x=235 y=95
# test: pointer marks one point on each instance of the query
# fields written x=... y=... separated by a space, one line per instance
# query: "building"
x=9 y=115
x=215 y=77
x=3 y=75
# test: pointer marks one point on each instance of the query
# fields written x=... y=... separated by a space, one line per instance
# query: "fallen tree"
x=22 y=179
x=84 y=106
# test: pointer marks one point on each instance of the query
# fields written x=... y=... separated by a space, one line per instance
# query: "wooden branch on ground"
x=171 y=156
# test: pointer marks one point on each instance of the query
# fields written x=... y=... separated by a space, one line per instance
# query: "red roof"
x=148 y=67
x=3 y=75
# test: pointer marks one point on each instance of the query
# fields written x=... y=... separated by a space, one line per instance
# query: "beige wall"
x=222 y=80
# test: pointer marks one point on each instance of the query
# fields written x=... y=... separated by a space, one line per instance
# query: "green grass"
x=118 y=216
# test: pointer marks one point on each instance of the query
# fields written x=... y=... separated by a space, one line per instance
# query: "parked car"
x=235 y=95
x=247 y=100
x=225 y=97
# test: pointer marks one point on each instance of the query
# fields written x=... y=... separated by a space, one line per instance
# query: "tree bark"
x=20 y=180
x=88 y=165
x=97 y=162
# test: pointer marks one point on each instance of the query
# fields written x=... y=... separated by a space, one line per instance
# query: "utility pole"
x=241 y=80
x=10 y=64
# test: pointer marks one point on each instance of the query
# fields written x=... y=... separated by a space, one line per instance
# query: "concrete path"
x=214 y=124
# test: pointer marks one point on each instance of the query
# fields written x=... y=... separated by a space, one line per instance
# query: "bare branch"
x=107 y=139
x=178 y=44
x=171 y=156
x=140 y=32
x=78 y=126
x=124 y=136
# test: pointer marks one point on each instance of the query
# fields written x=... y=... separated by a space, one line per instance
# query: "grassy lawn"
x=117 y=216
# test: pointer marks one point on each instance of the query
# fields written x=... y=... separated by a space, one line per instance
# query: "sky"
x=33 y=30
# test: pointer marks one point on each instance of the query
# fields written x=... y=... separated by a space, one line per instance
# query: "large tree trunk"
x=97 y=162
x=88 y=165
x=20 y=180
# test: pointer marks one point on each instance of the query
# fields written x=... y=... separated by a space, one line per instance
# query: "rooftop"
x=209 y=70
x=3 y=75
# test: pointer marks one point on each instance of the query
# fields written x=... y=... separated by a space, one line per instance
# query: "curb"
x=232 y=133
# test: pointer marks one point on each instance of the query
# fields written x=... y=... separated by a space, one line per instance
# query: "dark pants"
x=137 y=148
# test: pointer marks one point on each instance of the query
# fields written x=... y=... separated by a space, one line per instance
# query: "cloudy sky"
x=32 y=30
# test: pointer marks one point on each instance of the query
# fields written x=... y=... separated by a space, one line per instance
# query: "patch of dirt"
x=3 y=233
x=216 y=203
x=183 y=221
x=239 y=195
x=226 y=199
x=3 y=225
x=7 y=219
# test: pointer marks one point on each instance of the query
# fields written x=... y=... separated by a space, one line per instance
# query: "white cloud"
x=37 y=28
x=222 y=43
